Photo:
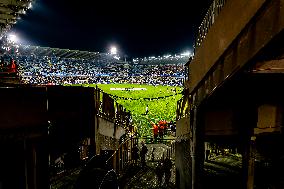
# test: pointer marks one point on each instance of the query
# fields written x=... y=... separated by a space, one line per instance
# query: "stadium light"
x=187 y=53
x=113 y=50
x=13 y=38
x=116 y=57
x=30 y=5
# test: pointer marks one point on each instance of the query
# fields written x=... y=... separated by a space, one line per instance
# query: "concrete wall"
x=182 y=127
x=22 y=107
x=183 y=146
x=233 y=18
x=183 y=164
x=24 y=116
x=71 y=112
x=220 y=122
x=108 y=135
x=270 y=119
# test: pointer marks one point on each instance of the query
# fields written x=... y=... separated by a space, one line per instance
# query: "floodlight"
x=187 y=53
x=13 y=38
x=116 y=57
x=113 y=50
x=30 y=5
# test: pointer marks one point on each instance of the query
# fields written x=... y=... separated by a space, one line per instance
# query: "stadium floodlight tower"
x=12 y=38
x=113 y=50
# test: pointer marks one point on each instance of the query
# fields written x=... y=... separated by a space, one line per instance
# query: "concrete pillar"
x=247 y=120
x=251 y=163
x=36 y=164
x=93 y=127
x=197 y=152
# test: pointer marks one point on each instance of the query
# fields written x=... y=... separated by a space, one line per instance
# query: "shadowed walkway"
x=140 y=178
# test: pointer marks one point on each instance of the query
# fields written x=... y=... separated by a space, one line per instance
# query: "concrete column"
x=247 y=120
x=93 y=127
x=36 y=163
x=197 y=152
x=251 y=163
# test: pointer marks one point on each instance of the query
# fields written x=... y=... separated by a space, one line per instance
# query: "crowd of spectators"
x=105 y=68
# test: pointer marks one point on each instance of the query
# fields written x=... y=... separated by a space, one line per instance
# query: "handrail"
x=209 y=19
x=110 y=171
x=117 y=149
x=170 y=152
x=159 y=139
x=118 y=159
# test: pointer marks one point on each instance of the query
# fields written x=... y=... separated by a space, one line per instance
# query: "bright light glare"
x=187 y=53
x=13 y=38
x=116 y=57
x=30 y=5
x=113 y=50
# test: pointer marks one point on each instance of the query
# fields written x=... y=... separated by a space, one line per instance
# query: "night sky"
x=136 y=28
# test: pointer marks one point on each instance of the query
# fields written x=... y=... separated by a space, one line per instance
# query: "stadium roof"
x=10 y=12
x=62 y=53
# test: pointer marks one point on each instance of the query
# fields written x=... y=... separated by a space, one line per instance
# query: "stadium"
x=143 y=114
x=75 y=105
x=133 y=95
x=42 y=65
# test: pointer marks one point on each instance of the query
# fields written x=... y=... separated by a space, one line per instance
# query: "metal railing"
x=209 y=19
x=122 y=155
x=170 y=152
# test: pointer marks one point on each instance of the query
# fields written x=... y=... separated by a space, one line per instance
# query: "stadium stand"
x=53 y=66
x=11 y=10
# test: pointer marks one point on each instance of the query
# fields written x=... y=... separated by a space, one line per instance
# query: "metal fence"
x=209 y=19
x=170 y=153
x=122 y=157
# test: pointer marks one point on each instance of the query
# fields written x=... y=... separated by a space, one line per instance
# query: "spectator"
x=155 y=131
x=135 y=154
x=160 y=172
x=42 y=69
x=161 y=131
x=153 y=155
x=167 y=169
x=143 y=153
x=12 y=67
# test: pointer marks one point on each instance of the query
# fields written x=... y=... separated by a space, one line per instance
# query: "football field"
x=145 y=102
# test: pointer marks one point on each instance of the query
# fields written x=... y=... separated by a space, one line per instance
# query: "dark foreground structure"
x=234 y=95
x=48 y=132
x=38 y=124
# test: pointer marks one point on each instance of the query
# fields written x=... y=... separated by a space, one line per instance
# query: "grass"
x=160 y=100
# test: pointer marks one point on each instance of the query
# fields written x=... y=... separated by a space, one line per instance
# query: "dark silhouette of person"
x=160 y=172
x=161 y=131
x=147 y=110
x=167 y=169
x=143 y=153
x=135 y=153
x=153 y=157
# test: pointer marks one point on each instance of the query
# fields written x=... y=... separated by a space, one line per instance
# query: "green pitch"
x=161 y=102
